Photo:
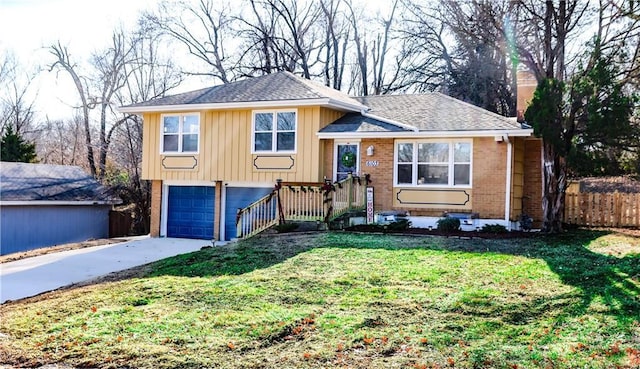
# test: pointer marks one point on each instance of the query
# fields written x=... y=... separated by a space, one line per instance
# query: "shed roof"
x=46 y=182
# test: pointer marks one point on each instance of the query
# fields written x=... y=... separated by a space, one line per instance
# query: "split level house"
x=213 y=151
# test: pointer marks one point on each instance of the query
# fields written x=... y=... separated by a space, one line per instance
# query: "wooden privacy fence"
x=119 y=223
x=603 y=209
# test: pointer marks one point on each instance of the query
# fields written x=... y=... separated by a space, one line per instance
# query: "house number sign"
x=371 y=163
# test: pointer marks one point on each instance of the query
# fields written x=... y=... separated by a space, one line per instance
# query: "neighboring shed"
x=44 y=205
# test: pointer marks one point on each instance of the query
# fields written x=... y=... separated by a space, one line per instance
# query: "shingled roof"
x=435 y=112
x=46 y=182
x=356 y=122
x=389 y=114
x=282 y=87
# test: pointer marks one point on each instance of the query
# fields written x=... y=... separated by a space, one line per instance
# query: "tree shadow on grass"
x=614 y=281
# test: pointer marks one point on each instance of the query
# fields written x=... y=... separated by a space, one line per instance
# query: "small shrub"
x=494 y=228
x=448 y=224
x=526 y=222
x=399 y=225
x=286 y=227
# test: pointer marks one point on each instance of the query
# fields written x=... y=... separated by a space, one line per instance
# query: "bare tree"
x=336 y=39
x=204 y=29
x=113 y=74
x=17 y=104
x=559 y=111
x=544 y=31
x=362 y=69
x=151 y=75
x=279 y=35
x=461 y=49
x=299 y=36
x=65 y=63
x=380 y=50
x=429 y=48
x=63 y=145
x=373 y=48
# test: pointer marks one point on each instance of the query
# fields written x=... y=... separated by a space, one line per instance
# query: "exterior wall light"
x=370 y=150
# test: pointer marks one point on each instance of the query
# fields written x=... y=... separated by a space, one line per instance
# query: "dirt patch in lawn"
x=58 y=248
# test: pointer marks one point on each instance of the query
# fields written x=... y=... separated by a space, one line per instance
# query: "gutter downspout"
x=507 y=200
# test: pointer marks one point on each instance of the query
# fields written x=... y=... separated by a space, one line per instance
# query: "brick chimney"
x=526 y=84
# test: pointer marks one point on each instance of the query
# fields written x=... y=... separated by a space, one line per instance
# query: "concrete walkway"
x=35 y=275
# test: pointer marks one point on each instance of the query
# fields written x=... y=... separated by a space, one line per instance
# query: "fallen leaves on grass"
x=633 y=355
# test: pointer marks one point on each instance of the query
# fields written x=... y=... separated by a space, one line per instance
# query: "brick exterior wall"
x=217 y=211
x=327 y=165
x=489 y=176
x=532 y=200
x=156 y=206
x=381 y=175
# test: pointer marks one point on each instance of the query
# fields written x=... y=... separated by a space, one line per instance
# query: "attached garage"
x=190 y=212
x=239 y=197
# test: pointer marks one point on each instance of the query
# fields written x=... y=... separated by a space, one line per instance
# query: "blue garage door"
x=190 y=212
x=239 y=197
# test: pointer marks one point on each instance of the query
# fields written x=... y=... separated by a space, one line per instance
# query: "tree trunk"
x=555 y=183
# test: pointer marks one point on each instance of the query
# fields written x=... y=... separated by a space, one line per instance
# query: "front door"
x=346 y=160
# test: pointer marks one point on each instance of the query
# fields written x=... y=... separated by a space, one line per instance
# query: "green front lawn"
x=345 y=300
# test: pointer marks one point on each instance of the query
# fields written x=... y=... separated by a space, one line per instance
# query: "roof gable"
x=46 y=182
x=274 y=89
x=356 y=122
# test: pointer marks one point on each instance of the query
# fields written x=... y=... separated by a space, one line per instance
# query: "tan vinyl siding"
x=517 y=180
x=532 y=196
x=328 y=116
x=225 y=149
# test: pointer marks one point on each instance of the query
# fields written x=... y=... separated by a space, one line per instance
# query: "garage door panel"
x=240 y=197
x=190 y=212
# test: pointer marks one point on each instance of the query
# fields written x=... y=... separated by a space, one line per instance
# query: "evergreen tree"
x=581 y=125
x=14 y=148
x=546 y=115
x=604 y=133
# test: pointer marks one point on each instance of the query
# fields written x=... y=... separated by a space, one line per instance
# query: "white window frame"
x=414 y=164
x=274 y=131
x=181 y=117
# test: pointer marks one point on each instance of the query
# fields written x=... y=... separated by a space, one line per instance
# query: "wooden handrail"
x=257 y=217
x=301 y=201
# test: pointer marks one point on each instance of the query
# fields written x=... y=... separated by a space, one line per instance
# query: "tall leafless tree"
x=336 y=40
x=64 y=63
x=205 y=28
x=151 y=75
x=17 y=101
x=461 y=49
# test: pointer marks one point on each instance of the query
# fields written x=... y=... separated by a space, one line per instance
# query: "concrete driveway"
x=35 y=275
